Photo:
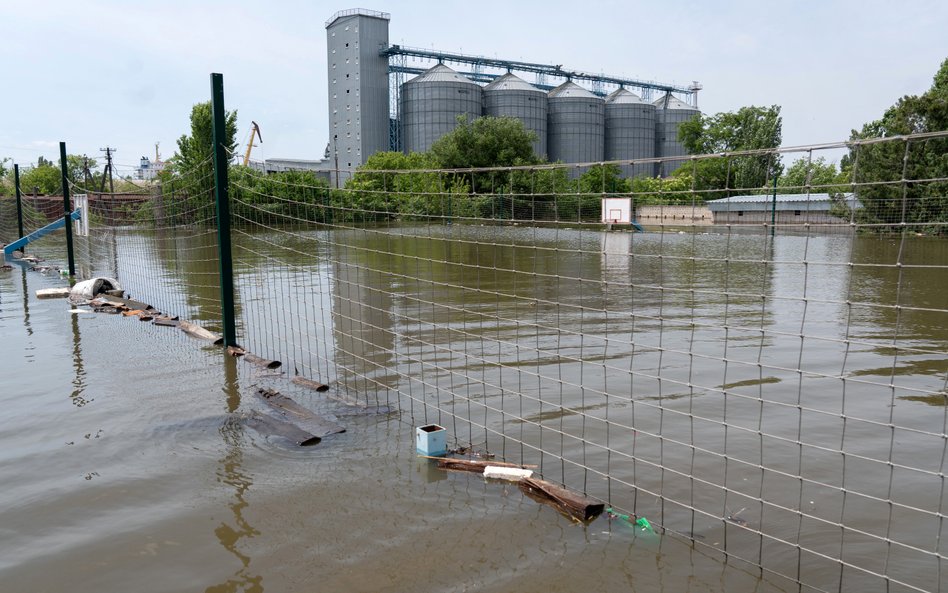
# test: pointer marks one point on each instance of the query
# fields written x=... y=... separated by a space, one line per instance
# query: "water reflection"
x=79 y=378
x=363 y=323
x=231 y=473
x=26 y=301
x=174 y=269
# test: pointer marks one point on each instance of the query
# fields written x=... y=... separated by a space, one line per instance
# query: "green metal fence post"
x=223 y=210
x=67 y=210
x=19 y=202
x=773 y=210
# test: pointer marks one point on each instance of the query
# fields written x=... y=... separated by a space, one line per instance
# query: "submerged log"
x=196 y=331
x=297 y=413
x=574 y=505
x=262 y=362
x=310 y=384
x=270 y=425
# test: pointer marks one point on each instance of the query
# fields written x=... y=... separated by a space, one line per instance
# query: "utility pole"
x=86 y=174
x=108 y=169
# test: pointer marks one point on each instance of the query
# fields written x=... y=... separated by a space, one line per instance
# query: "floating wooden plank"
x=117 y=301
x=572 y=504
x=310 y=384
x=298 y=414
x=196 y=331
x=52 y=293
x=166 y=321
x=269 y=425
x=471 y=465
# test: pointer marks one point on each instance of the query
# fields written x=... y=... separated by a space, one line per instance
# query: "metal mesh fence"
x=761 y=369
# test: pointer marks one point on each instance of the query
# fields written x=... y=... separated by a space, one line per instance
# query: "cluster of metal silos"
x=572 y=124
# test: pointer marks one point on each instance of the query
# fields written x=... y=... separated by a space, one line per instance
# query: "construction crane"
x=254 y=130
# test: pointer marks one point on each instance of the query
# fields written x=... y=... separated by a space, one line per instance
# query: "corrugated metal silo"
x=670 y=113
x=511 y=96
x=576 y=125
x=630 y=131
x=431 y=103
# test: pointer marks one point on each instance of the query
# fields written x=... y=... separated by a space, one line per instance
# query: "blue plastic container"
x=431 y=440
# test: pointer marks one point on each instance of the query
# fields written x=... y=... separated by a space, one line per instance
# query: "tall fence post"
x=218 y=124
x=19 y=202
x=67 y=210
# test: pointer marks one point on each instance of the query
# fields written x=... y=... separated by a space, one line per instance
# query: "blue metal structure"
x=555 y=70
x=57 y=224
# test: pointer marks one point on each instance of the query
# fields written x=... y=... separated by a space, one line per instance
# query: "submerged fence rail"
x=774 y=390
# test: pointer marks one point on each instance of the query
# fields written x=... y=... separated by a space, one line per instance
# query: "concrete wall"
x=678 y=215
x=783 y=217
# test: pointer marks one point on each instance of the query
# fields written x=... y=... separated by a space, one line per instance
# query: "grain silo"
x=670 y=113
x=576 y=125
x=431 y=103
x=511 y=96
x=630 y=131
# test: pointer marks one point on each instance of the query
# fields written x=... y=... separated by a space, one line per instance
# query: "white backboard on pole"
x=617 y=210
x=81 y=226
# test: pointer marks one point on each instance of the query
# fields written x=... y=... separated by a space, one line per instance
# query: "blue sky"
x=125 y=74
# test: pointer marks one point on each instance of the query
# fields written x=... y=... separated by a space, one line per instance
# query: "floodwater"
x=674 y=375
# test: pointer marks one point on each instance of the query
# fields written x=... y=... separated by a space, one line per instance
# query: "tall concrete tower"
x=358 y=86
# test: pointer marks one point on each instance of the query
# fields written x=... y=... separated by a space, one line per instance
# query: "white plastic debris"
x=88 y=289
x=506 y=473
x=52 y=293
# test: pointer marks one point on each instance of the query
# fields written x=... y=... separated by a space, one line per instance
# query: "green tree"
x=599 y=179
x=748 y=128
x=47 y=175
x=287 y=197
x=195 y=150
x=482 y=143
x=6 y=178
x=393 y=184
x=816 y=176
x=878 y=168
x=44 y=178
x=677 y=189
x=190 y=169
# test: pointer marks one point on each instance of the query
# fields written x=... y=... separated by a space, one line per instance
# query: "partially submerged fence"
x=774 y=391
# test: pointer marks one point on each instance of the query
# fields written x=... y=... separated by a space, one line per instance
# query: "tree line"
x=396 y=185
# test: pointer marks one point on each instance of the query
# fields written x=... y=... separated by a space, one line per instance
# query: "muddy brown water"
x=125 y=465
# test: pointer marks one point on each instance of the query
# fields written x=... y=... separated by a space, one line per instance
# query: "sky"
x=125 y=74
